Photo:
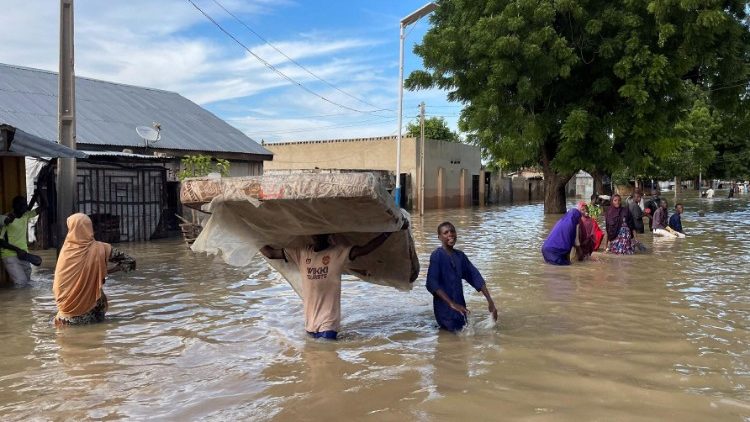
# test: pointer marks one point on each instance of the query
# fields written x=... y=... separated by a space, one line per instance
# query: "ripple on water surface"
x=657 y=336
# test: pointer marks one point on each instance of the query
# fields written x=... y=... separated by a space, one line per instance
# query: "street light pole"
x=421 y=158
x=400 y=114
x=408 y=20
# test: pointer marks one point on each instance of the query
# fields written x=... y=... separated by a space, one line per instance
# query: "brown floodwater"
x=657 y=336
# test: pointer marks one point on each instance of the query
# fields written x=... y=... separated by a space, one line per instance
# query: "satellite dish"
x=149 y=134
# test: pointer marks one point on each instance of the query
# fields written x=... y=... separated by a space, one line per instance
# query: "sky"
x=348 y=49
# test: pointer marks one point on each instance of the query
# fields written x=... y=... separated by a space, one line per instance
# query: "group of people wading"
x=84 y=262
x=81 y=268
x=578 y=231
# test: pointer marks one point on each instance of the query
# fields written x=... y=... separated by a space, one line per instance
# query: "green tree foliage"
x=201 y=165
x=434 y=128
x=583 y=84
x=691 y=147
x=733 y=146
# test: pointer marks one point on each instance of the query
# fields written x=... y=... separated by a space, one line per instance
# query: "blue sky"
x=168 y=44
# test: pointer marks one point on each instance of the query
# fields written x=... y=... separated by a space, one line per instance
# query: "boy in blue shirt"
x=448 y=266
x=675 y=221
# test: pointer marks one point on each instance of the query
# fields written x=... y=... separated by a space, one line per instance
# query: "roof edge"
x=50 y=72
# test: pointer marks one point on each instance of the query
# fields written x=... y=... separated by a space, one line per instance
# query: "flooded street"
x=658 y=336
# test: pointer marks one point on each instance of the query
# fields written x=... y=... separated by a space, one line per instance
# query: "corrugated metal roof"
x=28 y=145
x=108 y=113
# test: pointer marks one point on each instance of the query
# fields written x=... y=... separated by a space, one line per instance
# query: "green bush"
x=201 y=165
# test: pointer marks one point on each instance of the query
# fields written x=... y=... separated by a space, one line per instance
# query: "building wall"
x=580 y=186
x=245 y=168
x=449 y=166
x=514 y=190
x=355 y=154
x=12 y=181
x=237 y=168
x=350 y=154
x=12 y=184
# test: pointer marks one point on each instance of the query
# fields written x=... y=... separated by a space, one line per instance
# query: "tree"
x=434 y=128
x=201 y=165
x=582 y=84
x=733 y=146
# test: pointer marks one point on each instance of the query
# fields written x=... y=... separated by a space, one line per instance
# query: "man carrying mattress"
x=321 y=265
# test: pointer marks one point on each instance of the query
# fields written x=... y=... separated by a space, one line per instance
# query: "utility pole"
x=421 y=158
x=66 y=123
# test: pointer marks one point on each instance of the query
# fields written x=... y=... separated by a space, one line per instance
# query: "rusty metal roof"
x=108 y=113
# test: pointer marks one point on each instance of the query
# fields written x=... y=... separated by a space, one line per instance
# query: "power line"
x=364 y=123
x=292 y=117
x=277 y=71
x=296 y=62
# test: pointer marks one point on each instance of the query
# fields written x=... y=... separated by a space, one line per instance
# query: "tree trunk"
x=554 y=190
x=554 y=182
x=598 y=182
x=554 y=193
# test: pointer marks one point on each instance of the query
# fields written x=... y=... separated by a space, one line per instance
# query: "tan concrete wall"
x=355 y=154
x=454 y=159
x=379 y=154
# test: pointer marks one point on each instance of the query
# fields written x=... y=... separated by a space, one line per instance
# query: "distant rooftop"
x=107 y=114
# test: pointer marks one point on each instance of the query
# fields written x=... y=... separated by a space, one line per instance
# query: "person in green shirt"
x=14 y=240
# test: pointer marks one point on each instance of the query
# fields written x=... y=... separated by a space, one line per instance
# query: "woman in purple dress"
x=562 y=238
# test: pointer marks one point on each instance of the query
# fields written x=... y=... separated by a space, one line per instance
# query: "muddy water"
x=660 y=336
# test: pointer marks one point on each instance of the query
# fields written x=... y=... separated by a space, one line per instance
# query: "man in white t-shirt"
x=321 y=265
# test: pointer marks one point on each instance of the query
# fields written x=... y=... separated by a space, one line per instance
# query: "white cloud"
x=156 y=44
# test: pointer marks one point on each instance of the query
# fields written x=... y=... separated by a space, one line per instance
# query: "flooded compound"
x=657 y=336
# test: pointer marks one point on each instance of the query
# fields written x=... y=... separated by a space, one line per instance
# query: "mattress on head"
x=285 y=210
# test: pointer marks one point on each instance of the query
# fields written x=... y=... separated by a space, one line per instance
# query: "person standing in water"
x=81 y=268
x=321 y=265
x=651 y=206
x=661 y=221
x=589 y=234
x=563 y=237
x=675 y=221
x=14 y=237
x=619 y=227
x=636 y=212
x=448 y=267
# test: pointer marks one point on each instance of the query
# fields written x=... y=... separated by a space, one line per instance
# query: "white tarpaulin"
x=284 y=210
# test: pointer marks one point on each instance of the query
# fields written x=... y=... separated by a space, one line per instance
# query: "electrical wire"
x=293 y=117
x=277 y=71
x=311 y=73
x=364 y=123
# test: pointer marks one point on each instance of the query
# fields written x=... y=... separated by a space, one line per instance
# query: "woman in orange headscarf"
x=80 y=272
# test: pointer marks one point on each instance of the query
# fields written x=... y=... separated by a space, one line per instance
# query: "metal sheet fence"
x=125 y=204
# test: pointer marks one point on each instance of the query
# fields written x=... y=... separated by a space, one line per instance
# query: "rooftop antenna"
x=150 y=134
